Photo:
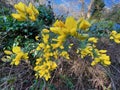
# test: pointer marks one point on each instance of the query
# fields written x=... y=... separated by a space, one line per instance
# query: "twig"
x=53 y=76
x=43 y=88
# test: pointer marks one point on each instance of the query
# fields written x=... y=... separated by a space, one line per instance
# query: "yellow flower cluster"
x=115 y=36
x=43 y=69
x=19 y=54
x=84 y=24
x=65 y=54
x=50 y=50
x=44 y=64
x=69 y=28
x=93 y=39
x=102 y=57
x=99 y=56
x=87 y=51
x=25 y=12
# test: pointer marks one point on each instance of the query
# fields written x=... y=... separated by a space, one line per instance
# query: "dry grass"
x=16 y=77
x=74 y=74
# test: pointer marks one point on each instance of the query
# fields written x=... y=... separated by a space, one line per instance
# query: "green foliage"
x=22 y=33
x=46 y=15
x=101 y=28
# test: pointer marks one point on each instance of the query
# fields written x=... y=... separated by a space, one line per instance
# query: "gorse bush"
x=21 y=32
x=54 y=43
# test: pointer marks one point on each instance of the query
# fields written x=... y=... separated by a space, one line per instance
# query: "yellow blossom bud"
x=8 y=52
x=84 y=25
x=93 y=39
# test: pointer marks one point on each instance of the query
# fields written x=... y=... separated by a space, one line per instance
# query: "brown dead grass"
x=74 y=74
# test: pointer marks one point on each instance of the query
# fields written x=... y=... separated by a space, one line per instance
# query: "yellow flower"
x=59 y=24
x=93 y=39
x=32 y=11
x=45 y=38
x=93 y=63
x=6 y=58
x=84 y=25
x=117 y=40
x=47 y=48
x=61 y=47
x=19 y=55
x=115 y=36
x=44 y=69
x=35 y=11
x=21 y=7
x=55 y=54
x=96 y=61
x=111 y=37
x=107 y=62
x=69 y=28
x=87 y=51
x=70 y=23
x=113 y=33
x=56 y=30
x=102 y=51
x=47 y=55
x=40 y=46
x=16 y=49
x=70 y=46
x=19 y=17
x=36 y=68
x=42 y=72
x=77 y=51
x=60 y=40
x=47 y=76
x=65 y=54
x=32 y=17
x=57 y=45
x=16 y=62
x=29 y=11
x=104 y=57
x=25 y=11
x=25 y=56
x=45 y=31
x=81 y=36
x=17 y=59
x=53 y=66
x=38 y=61
x=37 y=38
x=8 y=52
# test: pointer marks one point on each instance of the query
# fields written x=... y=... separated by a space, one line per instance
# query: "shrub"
x=23 y=31
x=64 y=40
